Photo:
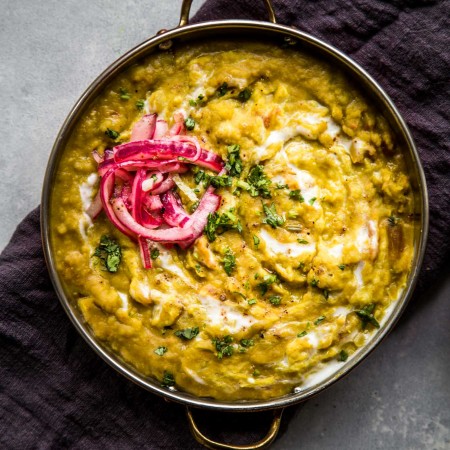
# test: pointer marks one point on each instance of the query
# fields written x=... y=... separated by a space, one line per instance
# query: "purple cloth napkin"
x=55 y=392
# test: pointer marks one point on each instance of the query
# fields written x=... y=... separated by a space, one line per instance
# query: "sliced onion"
x=95 y=208
x=145 y=253
x=174 y=214
x=106 y=191
x=210 y=160
x=136 y=195
x=165 y=149
x=144 y=128
x=167 y=184
x=152 y=181
x=161 y=130
x=152 y=202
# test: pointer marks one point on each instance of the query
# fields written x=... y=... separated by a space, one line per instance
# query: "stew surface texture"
x=311 y=245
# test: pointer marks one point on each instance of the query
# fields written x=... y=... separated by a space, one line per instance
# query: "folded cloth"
x=55 y=392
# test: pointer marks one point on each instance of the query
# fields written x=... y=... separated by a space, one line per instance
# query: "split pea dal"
x=311 y=244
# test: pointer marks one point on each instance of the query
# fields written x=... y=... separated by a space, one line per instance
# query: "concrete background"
x=50 y=51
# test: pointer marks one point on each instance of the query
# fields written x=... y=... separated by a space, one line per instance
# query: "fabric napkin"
x=55 y=392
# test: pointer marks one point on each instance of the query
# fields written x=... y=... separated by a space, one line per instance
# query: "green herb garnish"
x=259 y=183
x=267 y=282
x=160 y=351
x=302 y=241
x=110 y=253
x=229 y=262
x=187 y=334
x=124 y=95
x=341 y=266
x=234 y=162
x=319 y=320
x=296 y=195
x=303 y=333
x=366 y=316
x=392 y=221
x=220 y=181
x=314 y=282
x=154 y=253
x=223 y=346
x=281 y=186
x=168 y=379
x=222 y=89
x=252 y=301
x=140 y=105
x=112 y=134
x=326 y=293
x=312 y=200
x=218 y=224
x=275 y=300
x=343 y=356
x=190 y=123
x=246 y=342
x=244 y=95
x=272 y=218
x=256 y=240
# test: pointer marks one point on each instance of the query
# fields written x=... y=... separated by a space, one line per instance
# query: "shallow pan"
x=279 y=35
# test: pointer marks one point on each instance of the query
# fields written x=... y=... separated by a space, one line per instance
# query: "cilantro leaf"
x=168 y=379
x=190 y=123
x=272 y=218
x=296 y=195
x=222 y=89
x=160 y=351
x=234 y=162
x=246 y=342
x=124 y=95
x=221 y=181
x=223 y=346
x=366 y=316
x=244 y=95
x=154 y=253
x=140 y=105
x=110 y=253
x=267 y=282
x=259 y=183
x=256 y=240
x=112 y=134
x=319 y=320
x=188 y=333
x=229 y=262
x=218 y=224
x=343 y=356
x=275 y=300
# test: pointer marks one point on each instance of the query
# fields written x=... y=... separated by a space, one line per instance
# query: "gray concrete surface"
x=399 y=398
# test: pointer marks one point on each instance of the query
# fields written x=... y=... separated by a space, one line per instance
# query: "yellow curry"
x=310 y=246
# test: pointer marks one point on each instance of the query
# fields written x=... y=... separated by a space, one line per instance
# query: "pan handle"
x=186 y=7
x=263 y=443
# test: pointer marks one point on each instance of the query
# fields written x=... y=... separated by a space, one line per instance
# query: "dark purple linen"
x=55 y=392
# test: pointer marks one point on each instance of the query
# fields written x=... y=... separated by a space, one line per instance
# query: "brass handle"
x=186 y=7
x=263 y=443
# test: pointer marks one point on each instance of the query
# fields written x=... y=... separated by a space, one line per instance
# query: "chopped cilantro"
x=140 y=104
x=218 y=224
x=272 y=218
x=222 y=89
x=366 y=316
x=343 y=356
x=194 y=206
x=267 y=282
x=281 y=186
x=319 y=320
x=110 y=253
x=314 y=282
x=342 y=266
x=221 y=181
x=302 y=241
x=296 y=195
x=256 y=240
x=190 y=123
x=112 y=134
x=187 y=334
x=234 y=162
x=192 y=102
x=252 y=301
x=160 y=351
x=168 y=379
x=246 y=342
x=326 y=293
x=229 y=262
x=223 y=346
x=245 y=95
x=312 y=200
x=124 y=95
x=301 y=266
x=275 y=300
x=303 y=333
x=258 y=181
x=201 y=175
x=154 y=253
x=256 y=373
